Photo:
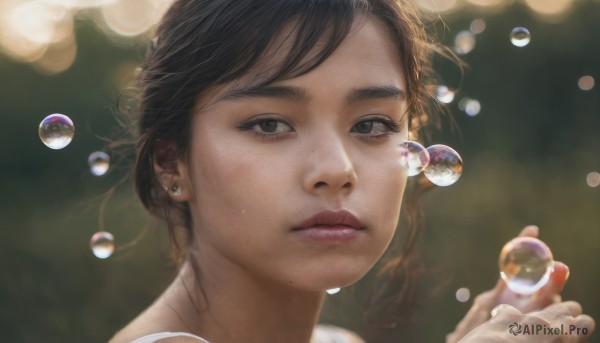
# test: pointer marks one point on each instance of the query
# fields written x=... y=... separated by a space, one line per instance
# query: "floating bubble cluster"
x=333 y=290
x=445 y=165
x=102 y=244
x=56 y=131
x=439 y=163
x=99 y=163
x=463 y=294
x=525 y=265
x=520 y=36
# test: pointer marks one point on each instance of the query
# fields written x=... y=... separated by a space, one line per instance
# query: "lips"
x=332 y=219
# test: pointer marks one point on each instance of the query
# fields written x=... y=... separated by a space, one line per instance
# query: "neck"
x=227 y=304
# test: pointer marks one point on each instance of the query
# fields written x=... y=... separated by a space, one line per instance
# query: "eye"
x=267 y=128
x=271 y=126
x=378 y=128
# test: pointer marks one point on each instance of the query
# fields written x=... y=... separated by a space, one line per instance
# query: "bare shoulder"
x=348 y=335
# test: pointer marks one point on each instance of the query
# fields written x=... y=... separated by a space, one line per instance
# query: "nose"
x=330 y=170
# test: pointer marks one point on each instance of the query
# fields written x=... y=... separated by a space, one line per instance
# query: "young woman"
x=270 y=136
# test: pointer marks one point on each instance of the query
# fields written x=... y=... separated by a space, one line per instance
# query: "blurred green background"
x=527 y=156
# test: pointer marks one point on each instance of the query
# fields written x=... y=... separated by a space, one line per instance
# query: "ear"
x=171 y=171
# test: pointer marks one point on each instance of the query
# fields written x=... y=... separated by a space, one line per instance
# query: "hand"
x=561 y=322
x=501 y=294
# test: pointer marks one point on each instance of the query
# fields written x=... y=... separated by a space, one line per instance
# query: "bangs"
x=298 y=36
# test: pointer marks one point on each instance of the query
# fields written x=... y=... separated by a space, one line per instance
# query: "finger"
x=530 y=231
x=560 y=310
x=549 y=294
x=559 y=276
x=585 y=324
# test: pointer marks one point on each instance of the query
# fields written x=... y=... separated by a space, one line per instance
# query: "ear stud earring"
x=176 y=189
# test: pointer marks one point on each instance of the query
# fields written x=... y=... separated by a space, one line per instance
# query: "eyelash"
x=392 y=126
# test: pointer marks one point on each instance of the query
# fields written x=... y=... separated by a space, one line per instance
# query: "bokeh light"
x=586 y=83
x=470 y=106
x=464 y=42
x=477 y=26
x=132 y=18
x=443 y=94
x=593 y=179
x=463 y=294
x=488 y=3
x=437 y=5
x=550 y=8
x=58 y=57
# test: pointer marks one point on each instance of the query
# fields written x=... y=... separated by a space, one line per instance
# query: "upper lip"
x=332 y=218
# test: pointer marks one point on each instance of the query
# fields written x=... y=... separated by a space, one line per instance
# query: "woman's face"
x=263 y=161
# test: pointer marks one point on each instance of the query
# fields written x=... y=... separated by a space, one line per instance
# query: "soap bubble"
x=444 y=94
x=417 y=157
x=525 y=265
x=99 y=163
x=464 y=42
x=463 y=294
x=333 y=290
x=102 y=244
x=56 y=131
x=445 y=165
x=520 y=36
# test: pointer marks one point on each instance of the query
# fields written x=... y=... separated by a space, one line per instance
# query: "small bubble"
x=99 y=163
x=56 y=131
x=464 y=42
x=463 y=294
x=445 y=165
x=586 y=83
x=444 y=94
x=102 y=244
x=520 y=36
x=477 y=26
x=416 y=157
x=525 y=264
x=593 y=179
x=333 y=290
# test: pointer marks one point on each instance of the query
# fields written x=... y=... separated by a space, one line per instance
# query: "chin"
x=329 y=278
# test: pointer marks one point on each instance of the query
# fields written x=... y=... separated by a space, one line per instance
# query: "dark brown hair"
x=202 y=44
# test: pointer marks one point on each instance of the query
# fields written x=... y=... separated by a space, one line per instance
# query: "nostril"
x=319 y=184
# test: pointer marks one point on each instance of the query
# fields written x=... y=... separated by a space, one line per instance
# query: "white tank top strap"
x=160 y=335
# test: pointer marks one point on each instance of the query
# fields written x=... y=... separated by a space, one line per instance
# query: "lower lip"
x=329 y=234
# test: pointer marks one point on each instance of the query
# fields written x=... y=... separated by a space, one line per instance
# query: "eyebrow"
x=295 y=94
